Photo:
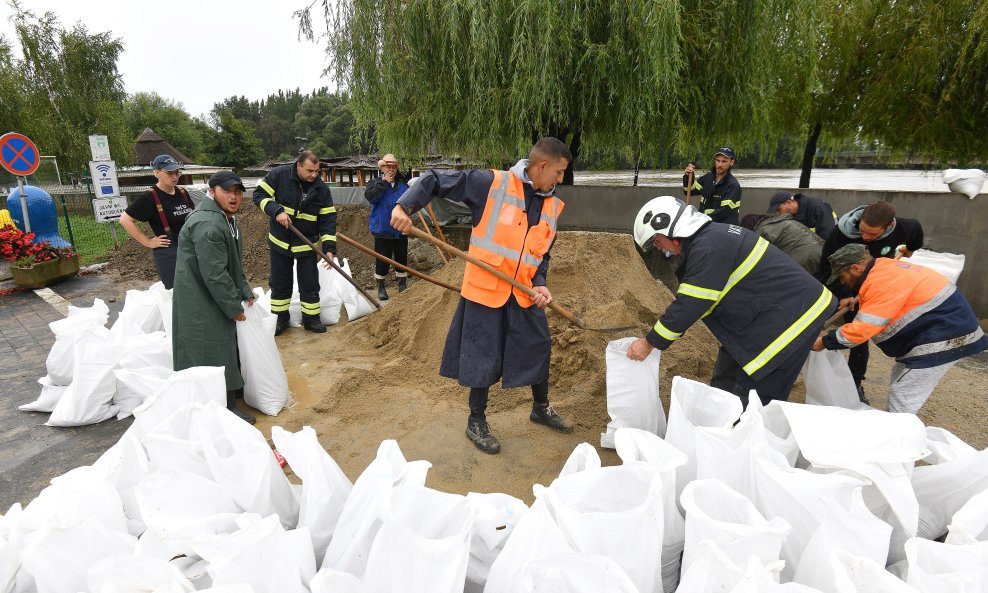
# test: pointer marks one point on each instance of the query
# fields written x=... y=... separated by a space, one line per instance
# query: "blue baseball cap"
x=726 y=151
x=165 y=162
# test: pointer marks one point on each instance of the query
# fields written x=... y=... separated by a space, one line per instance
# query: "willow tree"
x=482 y=78
x=912 y=76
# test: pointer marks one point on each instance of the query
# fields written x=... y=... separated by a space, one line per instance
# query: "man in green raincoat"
x=210 y=286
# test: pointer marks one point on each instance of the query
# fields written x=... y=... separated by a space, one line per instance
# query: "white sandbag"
x=176 y=442
x=718 y=513
x=583 y=457
x=855 y=574
x=361 y=518
x=241 y=461
x=329 y=294
x=295 y=304
x=89 y=399
x=59 y=558
x=948 y=264
x=760 y=579
x=423 y=545
x=802 y=498
x=125 y=465
x=712 y=570
x=639 y=446
x=134 y=385
x=198 y=385
x=122 y=573
x=61 y=357
x=853 y=529
x=947 y=568
x=12 y=535
x=780 y=435
x=495 y=518
x=535 y=538
x=694 y=404
x=140 y=314
x=970 y=524
x=325 y=487
x=632 y=392
x=573 y=572
x=265 y=381
x=945 y=446
x=144 y=350
x=163 y=300
x=829 y=382
x=615 y=512
x=965 y=181
x=335 y=581
x=50 y=394
x=943 y=489
x=260 y=554
x=356 y=305
x=880 y=446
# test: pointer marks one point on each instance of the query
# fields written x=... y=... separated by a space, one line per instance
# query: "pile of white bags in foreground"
x=95 y=373
x=780 y=498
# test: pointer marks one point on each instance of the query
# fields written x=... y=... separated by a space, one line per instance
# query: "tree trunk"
x=574 y=147
x=809 y=154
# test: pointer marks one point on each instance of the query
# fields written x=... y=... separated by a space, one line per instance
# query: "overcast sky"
x=198 y=52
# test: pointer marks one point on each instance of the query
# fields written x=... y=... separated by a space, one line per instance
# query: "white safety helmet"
x=667 y=216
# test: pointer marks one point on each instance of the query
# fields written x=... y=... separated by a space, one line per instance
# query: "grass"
x=93 y=240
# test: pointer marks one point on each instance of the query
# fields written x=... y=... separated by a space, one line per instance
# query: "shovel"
x=552 y=305
x=416 y=273
x=330 y=261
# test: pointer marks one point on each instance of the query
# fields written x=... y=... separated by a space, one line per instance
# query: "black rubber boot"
x=545 y=415
x=402 y=284
x=282 y=325
x=231 y=404
x=479 y=432
x=382 y=295
x=312 y=323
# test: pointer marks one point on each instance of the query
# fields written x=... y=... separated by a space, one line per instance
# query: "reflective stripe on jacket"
x=758 y=302
x=312 y=212
x=504 y=240
x=721 y=200
x=913 y=314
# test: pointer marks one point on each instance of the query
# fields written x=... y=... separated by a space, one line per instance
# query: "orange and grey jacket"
x=913 y=314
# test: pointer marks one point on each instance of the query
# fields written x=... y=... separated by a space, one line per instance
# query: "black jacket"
x=907 y=231
x=758 y=302
x=721 y=200
x=312 y=212
x=816 y=214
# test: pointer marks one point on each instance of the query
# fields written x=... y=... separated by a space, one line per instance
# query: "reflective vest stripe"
x=327 y=238
x=730 y=204
x=267 y=188
x=741 y=271
x=793 y=332
x=265 y=202
x=698 y=292
x=666 y=332
x=328 y=210
x=278 y=242
x=309 y=217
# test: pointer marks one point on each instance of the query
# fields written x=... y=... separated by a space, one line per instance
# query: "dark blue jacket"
x=383 y=197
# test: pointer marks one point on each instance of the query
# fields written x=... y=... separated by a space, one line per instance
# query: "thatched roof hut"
x=149 y=145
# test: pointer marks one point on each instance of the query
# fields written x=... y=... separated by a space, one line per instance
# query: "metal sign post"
x=21 y=157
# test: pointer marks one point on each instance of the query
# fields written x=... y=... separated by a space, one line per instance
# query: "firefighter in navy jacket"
x=764 y=308
x=295 y=194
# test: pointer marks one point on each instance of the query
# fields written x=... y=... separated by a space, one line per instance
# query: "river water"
x=866 y=179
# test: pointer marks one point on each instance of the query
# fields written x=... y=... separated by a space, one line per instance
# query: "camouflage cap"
x=844 y=258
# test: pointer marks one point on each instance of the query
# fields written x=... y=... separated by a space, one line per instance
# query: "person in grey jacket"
x=789 y=235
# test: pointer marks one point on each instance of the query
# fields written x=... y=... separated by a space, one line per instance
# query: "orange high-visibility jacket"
x=913 y=314
x=504 y=241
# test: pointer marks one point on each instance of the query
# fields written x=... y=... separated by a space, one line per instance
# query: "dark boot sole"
x=490 y=451
x=560 y=429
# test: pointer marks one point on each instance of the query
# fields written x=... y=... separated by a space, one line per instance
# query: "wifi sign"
x=104 y=175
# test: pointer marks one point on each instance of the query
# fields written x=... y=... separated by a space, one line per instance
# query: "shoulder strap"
x=185 y=195
x=161 y=211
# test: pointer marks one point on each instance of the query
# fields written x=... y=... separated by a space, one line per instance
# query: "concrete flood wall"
x=951 y=222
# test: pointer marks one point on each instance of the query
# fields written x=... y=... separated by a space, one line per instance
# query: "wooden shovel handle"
x=416 y=273
x=487 y=268
x=330 y=261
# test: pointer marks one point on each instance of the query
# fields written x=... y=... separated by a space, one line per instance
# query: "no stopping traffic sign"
x=18 y=154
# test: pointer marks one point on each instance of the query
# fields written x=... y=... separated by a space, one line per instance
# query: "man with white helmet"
x=764 y=308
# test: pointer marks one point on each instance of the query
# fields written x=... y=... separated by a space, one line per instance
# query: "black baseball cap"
x=726 y=151
x=165 y=162
x=226 y=180
x=778 y=198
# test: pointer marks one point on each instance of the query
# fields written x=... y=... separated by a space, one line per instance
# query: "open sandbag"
x=947 y=568
x=423 y=545
x=135 y=385
x=945 y=446
x=61 y=357
x=124 y=572
x=632 y=392
x=265 y=381
x=970 y=524
x=495 y=518
x=948 y=264
x=855 y=574
x=361 y=518
x=944 y=488
x=573 y=572
x=535 y=538
x=356 y=305
x=829 y=382
x=583 y=457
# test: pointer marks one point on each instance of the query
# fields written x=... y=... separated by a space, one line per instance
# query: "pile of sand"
x=378 y=378
x=134 y=261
